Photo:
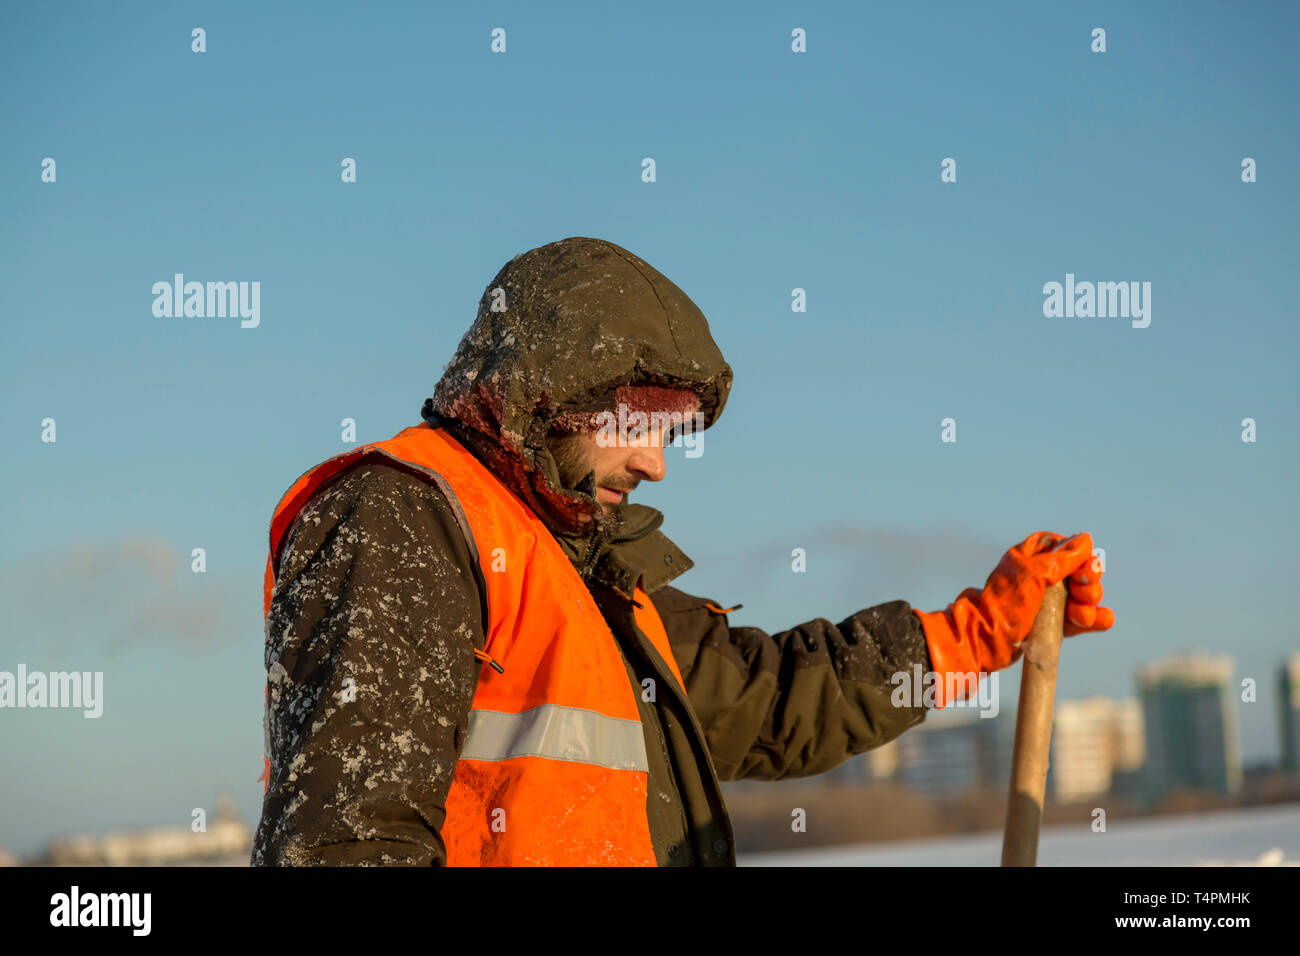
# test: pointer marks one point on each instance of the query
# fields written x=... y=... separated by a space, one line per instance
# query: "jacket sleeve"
x=371 y=674
x=799 y=702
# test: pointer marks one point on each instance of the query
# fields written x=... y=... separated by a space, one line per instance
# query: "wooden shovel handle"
x=1042 y=650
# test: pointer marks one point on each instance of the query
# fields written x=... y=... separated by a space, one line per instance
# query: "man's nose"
x=648 y=462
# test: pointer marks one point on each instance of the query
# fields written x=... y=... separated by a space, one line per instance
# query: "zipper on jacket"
x=700 y=744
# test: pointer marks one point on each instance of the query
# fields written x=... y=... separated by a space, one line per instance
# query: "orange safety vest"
x=553 y=770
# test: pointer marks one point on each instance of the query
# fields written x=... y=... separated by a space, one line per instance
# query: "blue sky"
x=774 y=171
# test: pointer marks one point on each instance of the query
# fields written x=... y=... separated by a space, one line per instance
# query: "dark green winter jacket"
x=375 y=599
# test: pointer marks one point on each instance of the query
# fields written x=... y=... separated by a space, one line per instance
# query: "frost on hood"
x=568 y=320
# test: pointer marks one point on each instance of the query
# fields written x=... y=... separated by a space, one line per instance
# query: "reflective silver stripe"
x=560 y=733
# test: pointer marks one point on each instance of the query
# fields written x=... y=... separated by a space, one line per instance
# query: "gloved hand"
x=981 y=631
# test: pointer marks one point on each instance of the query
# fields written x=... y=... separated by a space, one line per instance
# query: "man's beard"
x=574 y=462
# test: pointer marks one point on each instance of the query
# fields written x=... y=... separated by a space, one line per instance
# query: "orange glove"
x=981 y=631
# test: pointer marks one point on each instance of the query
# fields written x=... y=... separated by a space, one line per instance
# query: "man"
x=474 y=653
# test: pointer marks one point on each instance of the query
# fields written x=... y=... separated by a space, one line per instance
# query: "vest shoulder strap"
x=476 y=565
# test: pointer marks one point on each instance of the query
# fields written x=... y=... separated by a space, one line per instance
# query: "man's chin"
x=614 y=507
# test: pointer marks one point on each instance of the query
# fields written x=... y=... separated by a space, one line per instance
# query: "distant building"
x=1130 y=750
x=854 y=770
x=1289 y=712
x=1097 y=748
x=945 y=758
x=226 y=840
x=1190 y=710
x=882 y=763
x=878 y=764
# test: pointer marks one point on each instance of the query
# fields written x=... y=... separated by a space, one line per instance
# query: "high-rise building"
x=1289 y=708
x=944 y=758
x=882 y=762
x=1130 y=750
x=1190 y=711
x=1096 y=744
x=879 y=763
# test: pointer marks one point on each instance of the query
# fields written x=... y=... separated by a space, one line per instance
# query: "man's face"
x=619 y=468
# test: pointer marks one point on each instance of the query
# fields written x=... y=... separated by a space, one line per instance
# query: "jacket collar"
x=628 y=550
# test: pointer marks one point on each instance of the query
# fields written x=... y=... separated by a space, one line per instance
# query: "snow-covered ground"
x=1258 y=836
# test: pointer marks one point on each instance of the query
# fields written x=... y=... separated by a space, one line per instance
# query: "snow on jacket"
x=375 y=586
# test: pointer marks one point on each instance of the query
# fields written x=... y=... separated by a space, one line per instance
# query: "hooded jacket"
x=375 y=596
